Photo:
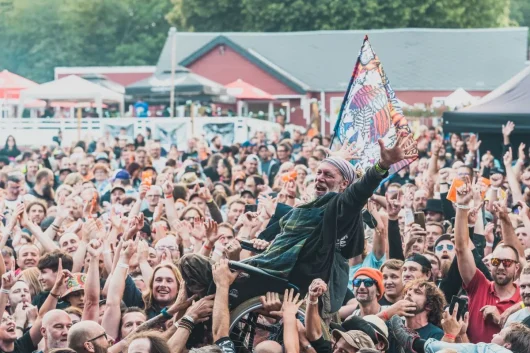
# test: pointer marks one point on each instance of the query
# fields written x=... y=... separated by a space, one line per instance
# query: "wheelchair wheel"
x=248 y=327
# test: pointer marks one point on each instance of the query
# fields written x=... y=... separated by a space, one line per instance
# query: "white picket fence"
x=35 y=132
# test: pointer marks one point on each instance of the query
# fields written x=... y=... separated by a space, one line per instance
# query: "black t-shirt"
x=430 y=331
x=41 y=197
x=40 y=298
x=148 y=214
x=321 y=345
x=384 y=301
x=23 y=344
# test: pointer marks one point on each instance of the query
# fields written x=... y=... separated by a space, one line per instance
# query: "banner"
x=171 y=134
x=370 y=111
x=114 y=128
x=225 y=130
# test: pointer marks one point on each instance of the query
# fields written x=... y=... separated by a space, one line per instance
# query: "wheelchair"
x=249 y=325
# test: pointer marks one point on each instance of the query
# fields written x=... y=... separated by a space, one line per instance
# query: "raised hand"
x=128 y=249
x=59 y=286
x=199 y=230
x=211 y=231
x=271 y=302
x=473 y=144
x=348 y=151
x=508 y=158
x=204 y=193
x=222 y=275
x=291 y=304
x=508 y=128
x=404 y=148
x=201 y=310
x=95 y=248
x=402 y=307
x=233 y=250
x=500 y=209
x=521 y=155
x=450 y=324
x=9 y=278
x=317 y=288
x=167 y=186
x=463 y=193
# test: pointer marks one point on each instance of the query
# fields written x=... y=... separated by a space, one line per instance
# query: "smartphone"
x=251 y=208
x=462 y=306
x=368 y=219
x=147 y=177
x=419 y=218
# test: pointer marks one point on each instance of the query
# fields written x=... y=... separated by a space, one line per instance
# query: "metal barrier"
x=34 y=132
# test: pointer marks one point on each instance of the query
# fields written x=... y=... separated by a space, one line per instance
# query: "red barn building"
x=300 y=66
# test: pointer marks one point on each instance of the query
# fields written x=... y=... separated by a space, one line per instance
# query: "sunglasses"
x=368 y=282
x=448 y=246
x=495 y=262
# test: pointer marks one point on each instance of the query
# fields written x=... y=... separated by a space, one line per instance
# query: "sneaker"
x=403 y=335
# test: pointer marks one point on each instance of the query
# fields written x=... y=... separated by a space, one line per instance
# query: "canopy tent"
x=103 y=80
x=11 y=84
x=73 y=89
x=510 y=101
x=187 y=85
x=245 y=93
x=459 y=98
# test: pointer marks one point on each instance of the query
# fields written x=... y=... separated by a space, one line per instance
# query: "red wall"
x=227 y=66
x=123 y=79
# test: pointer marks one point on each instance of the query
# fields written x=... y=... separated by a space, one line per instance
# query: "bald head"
x=84 y=331
x=55 y=327
x=268 y=347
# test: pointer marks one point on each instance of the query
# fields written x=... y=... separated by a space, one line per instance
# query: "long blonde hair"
x=31 y=277
x=148 y=296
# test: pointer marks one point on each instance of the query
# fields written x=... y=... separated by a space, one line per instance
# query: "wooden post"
x=173 y=35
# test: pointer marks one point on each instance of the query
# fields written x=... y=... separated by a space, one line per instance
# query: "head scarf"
x=345 y=168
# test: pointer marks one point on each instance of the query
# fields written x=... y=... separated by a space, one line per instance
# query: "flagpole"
x=173 y=36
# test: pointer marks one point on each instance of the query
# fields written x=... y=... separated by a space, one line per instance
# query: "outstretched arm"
x=464 y=255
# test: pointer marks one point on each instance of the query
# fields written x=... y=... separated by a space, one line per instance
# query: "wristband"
x=462 y=207
x=307 y=347
x=207 y=247
x=6 y=291
x=122 y=265
x=385 y=315
x=489 y=245
x=165 y=313
x=209 y=201
x=169 y=196
x=380 y=169
x=188 y=318
x=451 y=337
x=56 y=296
x=522 y=305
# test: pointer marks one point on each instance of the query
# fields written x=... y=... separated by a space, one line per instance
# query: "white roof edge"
x=276 y=67
x=63 y=70
x=361 y=31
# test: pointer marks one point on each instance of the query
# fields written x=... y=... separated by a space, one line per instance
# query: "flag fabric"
x=370 y=111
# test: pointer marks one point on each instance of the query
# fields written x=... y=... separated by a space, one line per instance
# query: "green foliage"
x=36 y=36
x=306 y=15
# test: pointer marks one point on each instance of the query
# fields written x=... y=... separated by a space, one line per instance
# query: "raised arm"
x=91 y=308
x=515 y=187
x=379 y=243
x=464 y=255
x=223 y=278
x=135 y=210
x=356 y=195
x=508 y=233
x=312 y=318
x=290 y=326
x=47 y=244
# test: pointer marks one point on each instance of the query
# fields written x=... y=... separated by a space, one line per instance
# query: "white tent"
x=459 y=98
x=74 y=89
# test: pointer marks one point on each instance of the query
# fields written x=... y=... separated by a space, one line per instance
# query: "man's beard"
x=56 y=344
x=418 y=309
x=526 y=299
x=99 y=349
x=446 y=265
x=47 y=191
x=502 y=282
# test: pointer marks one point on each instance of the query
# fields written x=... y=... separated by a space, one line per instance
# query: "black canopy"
x=510 y=101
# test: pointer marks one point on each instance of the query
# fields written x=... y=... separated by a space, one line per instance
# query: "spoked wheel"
x=249 y=327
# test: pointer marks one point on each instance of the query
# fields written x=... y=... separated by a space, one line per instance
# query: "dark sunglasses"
x=495 y=262
x=448 y=246
x=368 y=282
x=193 y=186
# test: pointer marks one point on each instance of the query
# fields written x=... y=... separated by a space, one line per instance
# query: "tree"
x=300 y=15
x=37 y=36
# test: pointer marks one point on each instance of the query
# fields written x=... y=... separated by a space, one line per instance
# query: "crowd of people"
x=121 y=245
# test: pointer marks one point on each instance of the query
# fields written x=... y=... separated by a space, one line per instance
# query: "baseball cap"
x=75 y=283
x=122 y=174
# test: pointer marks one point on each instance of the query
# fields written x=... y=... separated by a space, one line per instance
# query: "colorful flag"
x=370 y=111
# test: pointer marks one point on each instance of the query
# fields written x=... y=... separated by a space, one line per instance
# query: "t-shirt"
x=23 y=344
x=369 y=261
x=430 y=331
x=518 y=316
x=384 y=301
x=226 y=345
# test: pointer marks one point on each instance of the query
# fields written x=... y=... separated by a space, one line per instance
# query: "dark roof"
x=414 y=59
